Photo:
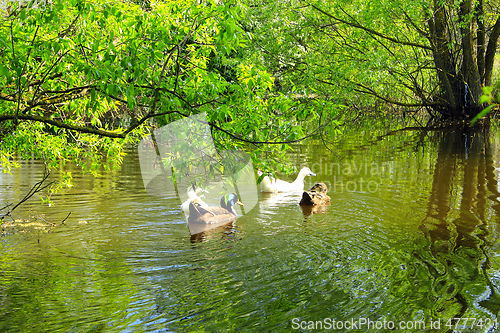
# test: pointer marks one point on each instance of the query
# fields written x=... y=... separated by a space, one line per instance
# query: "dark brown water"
x=410 y=240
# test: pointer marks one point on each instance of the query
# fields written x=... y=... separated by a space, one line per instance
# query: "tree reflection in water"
x=464 y=192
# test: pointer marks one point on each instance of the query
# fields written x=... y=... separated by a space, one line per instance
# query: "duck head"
x=228 y=201
x=305 y=171
x=319 y=188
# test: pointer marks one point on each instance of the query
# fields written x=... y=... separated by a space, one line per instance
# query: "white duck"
x=193 y=196
x=278 y=185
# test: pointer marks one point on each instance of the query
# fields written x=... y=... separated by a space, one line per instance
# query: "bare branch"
x=369 y=91
x=46 y=75
x=62 y=222
x=35 y=189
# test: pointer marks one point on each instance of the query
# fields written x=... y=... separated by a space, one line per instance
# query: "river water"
x=409 y=242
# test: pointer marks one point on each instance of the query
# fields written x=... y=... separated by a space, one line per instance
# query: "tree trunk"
x=444 y=61
x=490 y=53
x=481 y=39
x=461 y=78
x=469 y=71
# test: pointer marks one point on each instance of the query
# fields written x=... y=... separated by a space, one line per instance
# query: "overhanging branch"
x=38 y=187
x=371 y=31
x=123 y=134
x=57 y=123
x=366 y=90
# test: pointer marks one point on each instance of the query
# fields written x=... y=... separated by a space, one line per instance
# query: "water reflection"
x=456 y=225
x=200 y=232
x=309 y=210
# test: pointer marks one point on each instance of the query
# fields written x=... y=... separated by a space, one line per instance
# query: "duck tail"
x=193 y=209
x=306 y=199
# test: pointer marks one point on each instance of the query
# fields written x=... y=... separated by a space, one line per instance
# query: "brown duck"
x=316 y=196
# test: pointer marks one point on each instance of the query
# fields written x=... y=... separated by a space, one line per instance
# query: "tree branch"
x=47 y=74
x=365 y=90
x=481 y=38
x=57 y=123
x=35 y=189
x=371 y=31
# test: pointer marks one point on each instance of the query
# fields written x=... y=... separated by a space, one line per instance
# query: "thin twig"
x=44 y=220
x=35 y=189
x=62 y=222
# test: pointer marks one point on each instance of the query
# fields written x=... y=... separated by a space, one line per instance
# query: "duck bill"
x=312 y=174
x=239 y=203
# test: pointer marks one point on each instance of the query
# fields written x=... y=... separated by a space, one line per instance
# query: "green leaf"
x=487 y=90
x=481 y=114
x=4 y=70
x=56 y=47
x=261 y=177
x=485 y=98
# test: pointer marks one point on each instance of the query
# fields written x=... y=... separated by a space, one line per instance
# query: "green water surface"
x=410 y=240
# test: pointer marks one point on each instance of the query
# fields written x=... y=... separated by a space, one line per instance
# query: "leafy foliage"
x=419 y=54
x=81 y=80
x=488 y=97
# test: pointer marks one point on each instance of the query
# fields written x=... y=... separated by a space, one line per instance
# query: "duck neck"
x=229 y=208
x=300 y=179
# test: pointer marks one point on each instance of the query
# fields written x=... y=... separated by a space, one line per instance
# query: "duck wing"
x=325 y=199
x=214 y=211
x=284 y=186
x=196 y=200
x=209 y=215
x=268 y=185
x=199 y=210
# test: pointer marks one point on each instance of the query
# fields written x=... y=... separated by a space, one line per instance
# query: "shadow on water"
x=457 y=227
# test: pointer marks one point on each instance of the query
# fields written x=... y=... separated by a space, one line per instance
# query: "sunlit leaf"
x=482 y=114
